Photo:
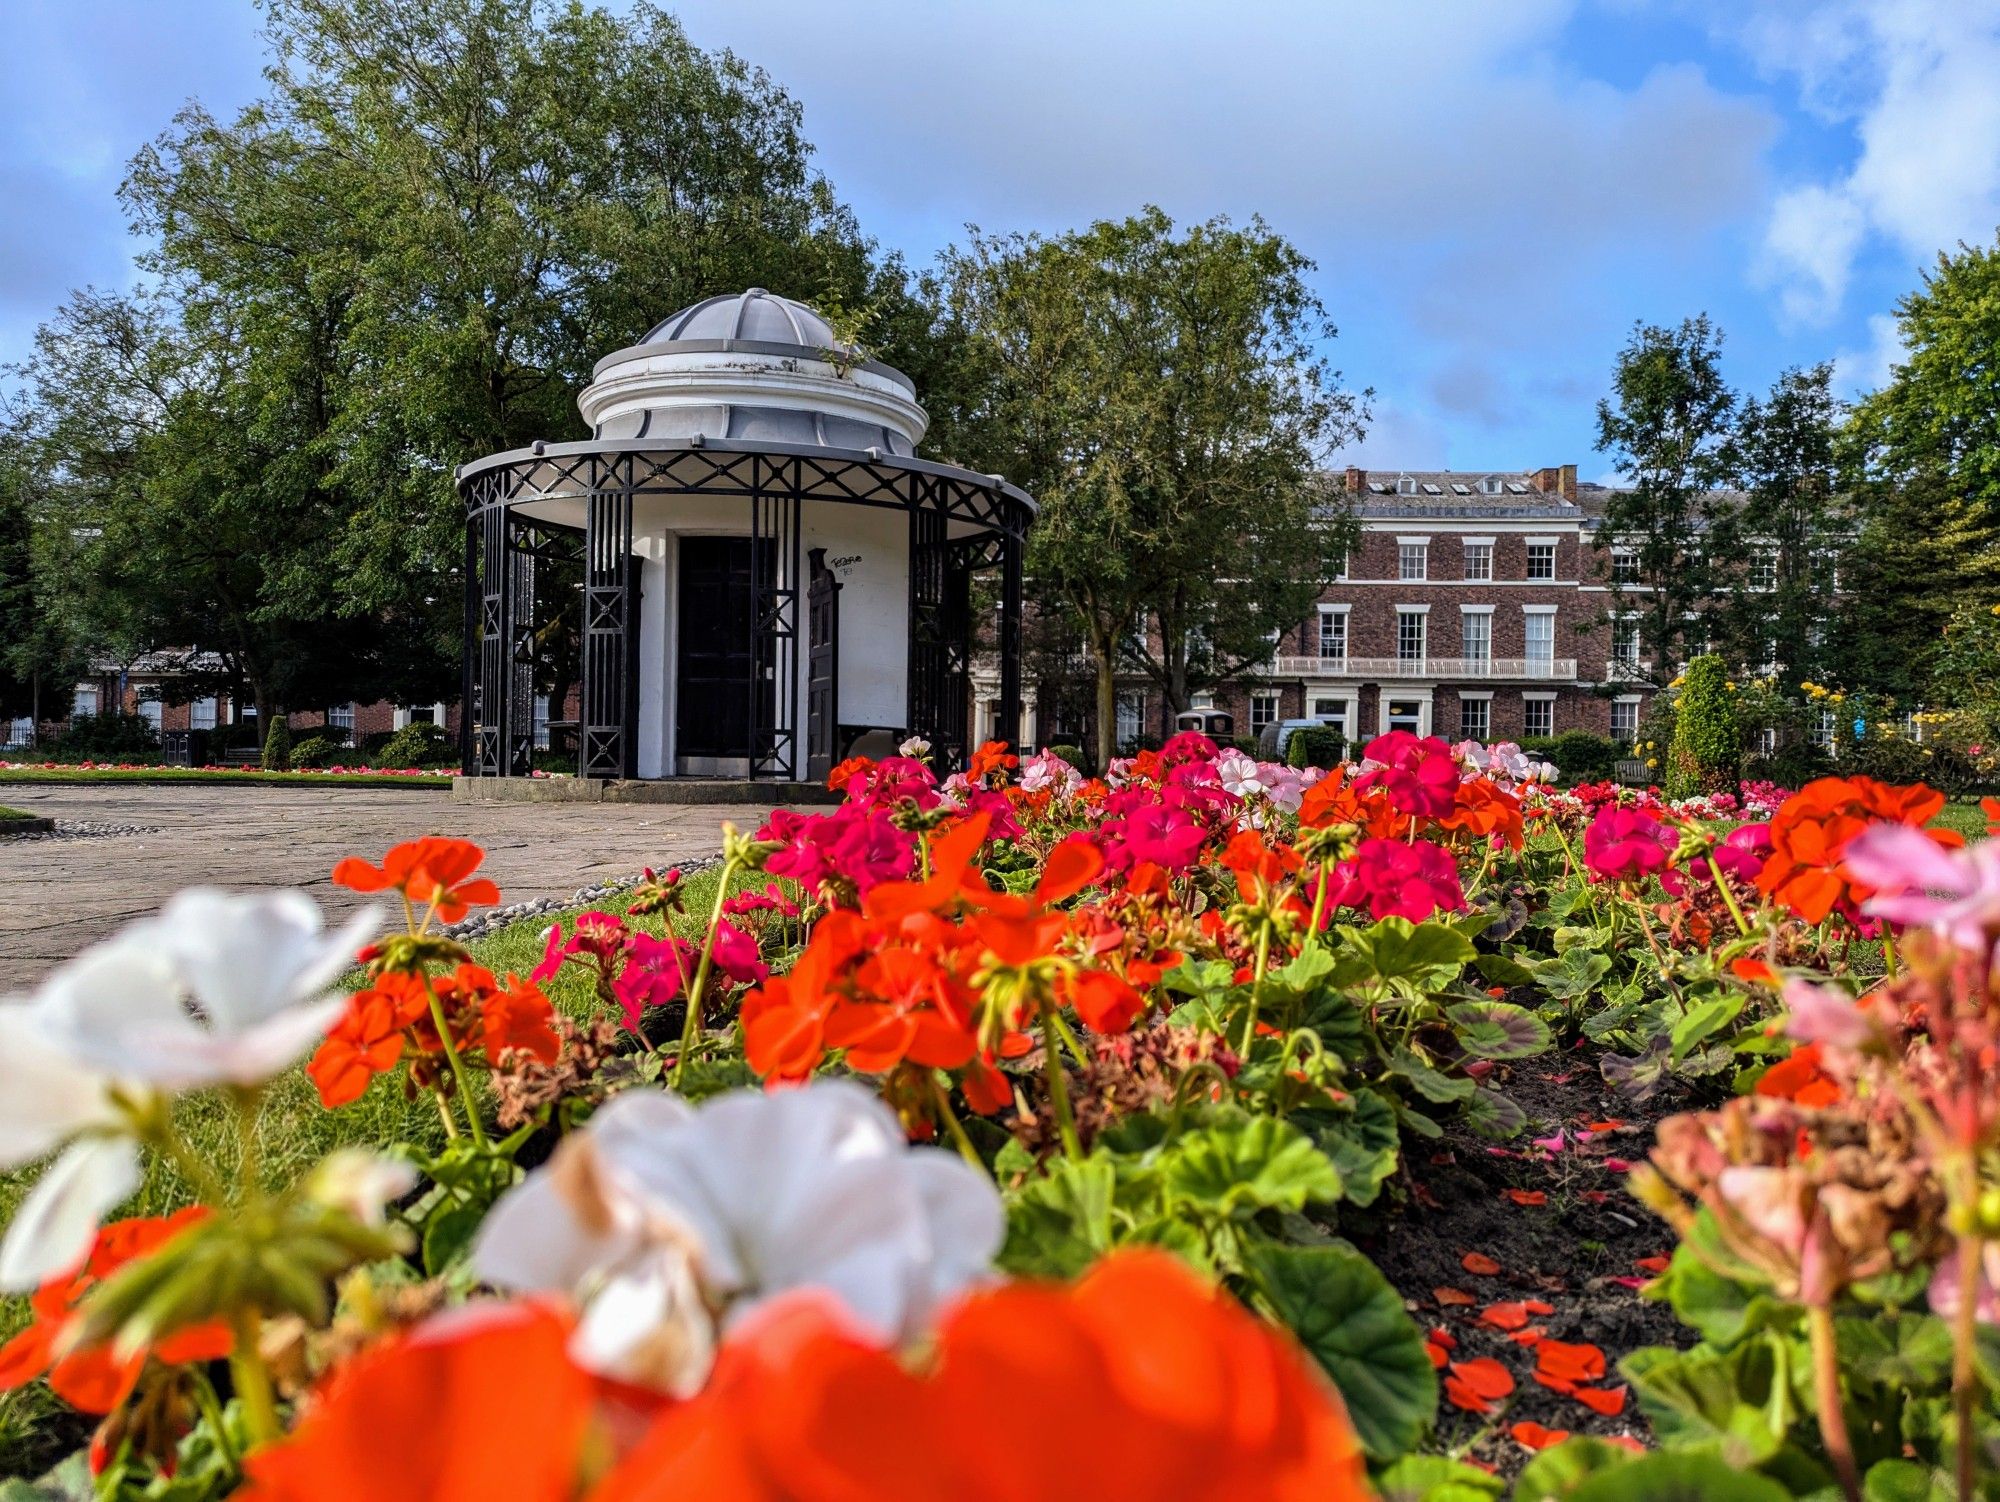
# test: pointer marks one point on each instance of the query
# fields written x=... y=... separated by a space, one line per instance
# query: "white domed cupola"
x=752 y=367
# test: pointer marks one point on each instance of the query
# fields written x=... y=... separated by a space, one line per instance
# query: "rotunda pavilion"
x=770 y=575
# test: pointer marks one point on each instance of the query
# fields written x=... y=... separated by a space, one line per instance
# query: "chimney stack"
x=1356 y=479
x=1569 y=483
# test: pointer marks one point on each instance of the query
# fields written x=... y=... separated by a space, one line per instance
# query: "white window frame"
x=1633 y=703
x=1485 y=703
x=1531 y=614
x=1537 y=698
x=1329 y=614
x=1482 y=549
x=202 y=713
x=1267 y=707
x=1761 y=570
x=1553 y=544
x=86 y=692
x=1422 y=613
x=341 y=716
x=1408 y=548
x=1467 y=614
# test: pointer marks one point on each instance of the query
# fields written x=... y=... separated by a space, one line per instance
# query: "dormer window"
x=1406 y=486
x=1491 y=485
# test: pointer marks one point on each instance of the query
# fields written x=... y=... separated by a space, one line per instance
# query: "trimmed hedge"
x=1314 y=746
x=1705 y=756
x=417 y=744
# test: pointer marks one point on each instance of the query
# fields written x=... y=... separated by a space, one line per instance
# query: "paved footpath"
x=58 y=895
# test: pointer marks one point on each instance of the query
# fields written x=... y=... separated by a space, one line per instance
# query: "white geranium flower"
x=255 y=965
x=668 y=1223
x=94 y=1046
x=916 y=748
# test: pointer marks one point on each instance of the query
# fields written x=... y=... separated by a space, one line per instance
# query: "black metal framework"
x=822 y=667
x=772 y=481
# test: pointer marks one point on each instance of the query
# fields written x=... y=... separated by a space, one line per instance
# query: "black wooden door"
x=715 y=663
x=822 y=669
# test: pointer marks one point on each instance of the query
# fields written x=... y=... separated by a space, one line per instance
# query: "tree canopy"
x=1162 y=394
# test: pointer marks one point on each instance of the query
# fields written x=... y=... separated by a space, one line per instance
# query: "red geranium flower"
x=1813 y=828
x=434 y=872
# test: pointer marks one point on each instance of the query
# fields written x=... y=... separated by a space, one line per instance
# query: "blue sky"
x=1493 y=190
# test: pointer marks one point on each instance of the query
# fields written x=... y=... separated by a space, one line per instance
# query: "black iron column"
x=468 y=655
x=494 y=580
x=1010 y=640
x=520 y=695
x=607 y=739
x=774 y=617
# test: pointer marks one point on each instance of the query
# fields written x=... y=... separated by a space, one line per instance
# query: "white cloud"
x=1919 y=83
x=1399 y=437
x=1856 y=372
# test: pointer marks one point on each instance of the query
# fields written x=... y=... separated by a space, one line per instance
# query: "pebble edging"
x=479 y=925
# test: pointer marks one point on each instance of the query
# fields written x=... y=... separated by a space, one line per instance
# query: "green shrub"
x=1075 y=757
x=278 y=746
x=96 y=737
x=1314 y=746
x=318 y=751
x=1888 y=758
x=1582 y=756
x=1247 y=744
x=1791 y=766
x=417 y=744
x=1704 y=754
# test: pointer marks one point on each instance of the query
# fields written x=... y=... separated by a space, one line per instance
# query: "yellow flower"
x=1996 y=610
x=1730 y=686
x=1652 y=762
x=1840 y=698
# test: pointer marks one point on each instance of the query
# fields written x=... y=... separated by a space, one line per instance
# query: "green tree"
x=1703 y=756
x=1666 y=425
x=1938 y=416
x=1162 y=395
x=436 y=220
x=1777 y=550
x=39 y=653
x=1925 y=450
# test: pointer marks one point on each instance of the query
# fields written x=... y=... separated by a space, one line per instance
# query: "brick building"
x=1476 y=605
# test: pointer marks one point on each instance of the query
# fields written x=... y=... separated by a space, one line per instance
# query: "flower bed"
x=98 y=771
x=1213 y=1129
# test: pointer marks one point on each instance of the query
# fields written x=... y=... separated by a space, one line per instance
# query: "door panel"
x=714 y=661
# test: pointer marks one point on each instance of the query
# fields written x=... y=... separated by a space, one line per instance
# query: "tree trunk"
x=35 y=708
x=1107 y=707
x=266 y=712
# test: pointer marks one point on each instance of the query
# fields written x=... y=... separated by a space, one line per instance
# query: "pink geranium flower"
x=656 y=971
x=1954 y=893
x=1390 y=878
x=1152 y=832
x=738 y=957
x=595 y=934
x=1623 y=844
x=1419 y=773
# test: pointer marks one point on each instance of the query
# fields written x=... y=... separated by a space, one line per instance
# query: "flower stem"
x=941 y=1092
x=1319 y=902
x=1256 y=986
x=1964 y=1332
x=253 y=1379
x=1659 y=955
x=211 y=1412
x=457 y=1064
x=1058 y=1082
x=1070 y=1040
x=691 y=1027
x=1729 y=897
x=1826 y=1396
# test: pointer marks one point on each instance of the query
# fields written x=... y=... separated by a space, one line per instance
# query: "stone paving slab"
x=58 y=895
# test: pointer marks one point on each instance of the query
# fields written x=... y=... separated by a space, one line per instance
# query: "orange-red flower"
x=432 y=872
x=94 y=1378
x=1799 y=1077
x=486 y=1018
x=1169 y=1390
x=1812 y=829
x=1484 y=809
x=479 y=1405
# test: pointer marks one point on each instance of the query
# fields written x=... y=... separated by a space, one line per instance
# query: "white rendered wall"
x=868 y=549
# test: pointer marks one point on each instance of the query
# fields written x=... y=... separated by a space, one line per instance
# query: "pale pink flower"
x=1954 y=893
x=1822 y=1014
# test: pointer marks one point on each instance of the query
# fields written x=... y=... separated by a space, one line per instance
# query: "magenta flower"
x=1418 y=773
x=1390 y=878
x=738 y=957
x=1152 y=832
x=596 y=934
x=1188 y=746
x=1954 y=893
x=656 y=971
x=1623 y=844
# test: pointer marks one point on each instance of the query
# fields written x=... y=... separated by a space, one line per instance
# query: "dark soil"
x=1570 y=1252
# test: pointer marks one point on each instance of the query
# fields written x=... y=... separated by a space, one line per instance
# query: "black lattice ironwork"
x=610 y=635
x=822 y=668
x=771 y=481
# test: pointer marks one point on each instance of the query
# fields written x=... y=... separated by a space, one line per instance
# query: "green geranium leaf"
x=1887 y=1481
x=1492 y=1114
x=1665 y=1477
x=1722 y=1309
x=1341 y=1023
x=1433 y=1478
x=1574 y=973
x=1061 y=1222
x=1498 y=1030
x=1556 y=1473
x=1410 y=959
x=1902 y=1353
x=1430 y=1083
x=1362 y=1141
x=1703 y=1021
x=1352 y=1321
x=1741 y=1401
x=1236 y=1168
x=1503 y=970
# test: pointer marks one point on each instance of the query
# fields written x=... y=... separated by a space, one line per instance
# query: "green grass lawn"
x=428 y=780
x=294 y=1131
x=14 y=813
x=1964 y=815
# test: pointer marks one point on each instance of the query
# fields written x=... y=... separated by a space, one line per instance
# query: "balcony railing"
x=1525 y=669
